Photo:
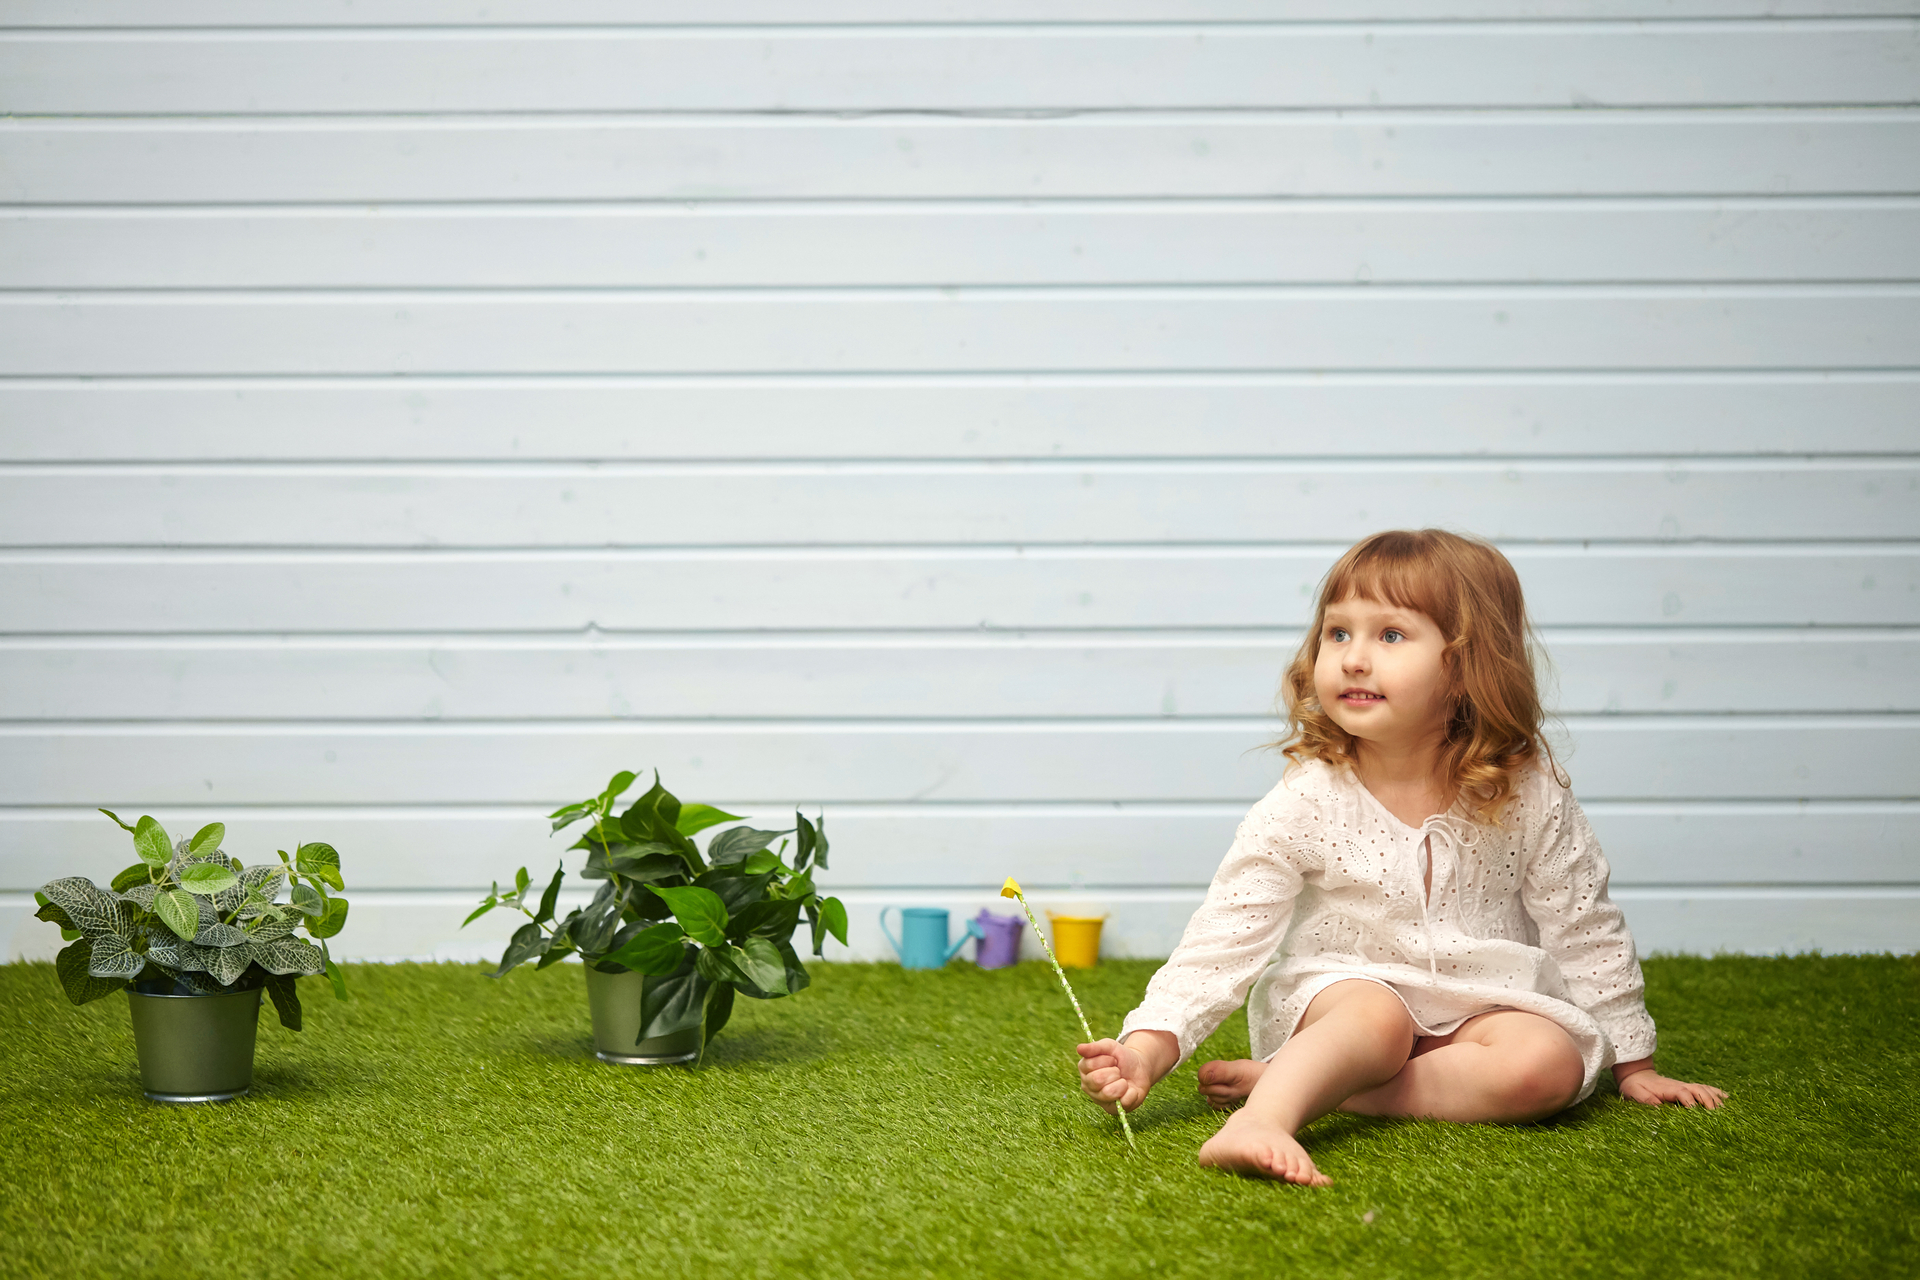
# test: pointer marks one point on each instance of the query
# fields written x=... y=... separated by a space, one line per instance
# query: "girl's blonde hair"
x=1472 y=593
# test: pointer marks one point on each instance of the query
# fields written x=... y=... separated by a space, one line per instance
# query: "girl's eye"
x=1337 y=634
x=1391 y=636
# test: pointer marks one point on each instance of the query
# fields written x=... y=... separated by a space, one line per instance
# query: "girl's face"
x=1382 y=672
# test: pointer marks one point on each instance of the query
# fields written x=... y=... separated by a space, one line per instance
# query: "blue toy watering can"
x=923 y=944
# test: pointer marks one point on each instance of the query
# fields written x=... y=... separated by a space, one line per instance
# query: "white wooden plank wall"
x=940 y=413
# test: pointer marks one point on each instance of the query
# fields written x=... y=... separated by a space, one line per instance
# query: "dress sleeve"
x=1231 y=937
x=1565 y=891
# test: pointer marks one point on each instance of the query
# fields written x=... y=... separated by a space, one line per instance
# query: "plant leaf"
x=699 y=911
x=207 y=878
x=735 y=845
x=809 y=840
x=116 y=817
x=770 y=919
x=551 y=896
x=761 y=961
x=92 y=910
x=337 y=978
x=226 y=964
x=673 y=1003
x=797 y=977
x=289 y=956
x=719 y=1009
x=138 y=873
x=646 y=861
x=151 y=843
x=52 y=914
x=274 y=924
x=695 y=818
x=833 y=914
x=480 y=910
x=113 y=958
x=286 y=999
x=320 y=862
x=764 y=861
x=556 y=952
x=178 y=911
x=266 y=879
x=171 y=953
x=618 y=783
x=74 y=967
x=219 y=934
x=207 y=839
x=736 y=891
x=332 y=922
x=308 y=901
x=568 y=814
x=528 y=942
x=657 y=951
x=593 y=931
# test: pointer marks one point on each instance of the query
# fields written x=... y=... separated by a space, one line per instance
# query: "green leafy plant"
x=699 y=927
x=188 y=920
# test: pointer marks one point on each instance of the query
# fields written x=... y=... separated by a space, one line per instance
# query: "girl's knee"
x=1546 y=1076
x=1383 y=1014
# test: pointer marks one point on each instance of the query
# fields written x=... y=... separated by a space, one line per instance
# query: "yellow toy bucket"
x=1076 y=940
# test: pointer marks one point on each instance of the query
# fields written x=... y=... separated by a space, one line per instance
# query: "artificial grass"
x=888 y=1122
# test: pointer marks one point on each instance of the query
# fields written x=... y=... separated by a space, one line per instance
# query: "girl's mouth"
x=1362 y=696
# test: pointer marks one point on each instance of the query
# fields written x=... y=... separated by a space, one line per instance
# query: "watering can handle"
x=973 y=930
x=897 y=949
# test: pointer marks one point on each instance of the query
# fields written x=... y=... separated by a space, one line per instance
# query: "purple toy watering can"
x=999 y=940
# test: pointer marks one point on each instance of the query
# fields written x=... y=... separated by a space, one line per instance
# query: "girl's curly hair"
x=1472 y=593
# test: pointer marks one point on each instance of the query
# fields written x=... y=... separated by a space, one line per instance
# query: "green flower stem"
x=1125 y=1124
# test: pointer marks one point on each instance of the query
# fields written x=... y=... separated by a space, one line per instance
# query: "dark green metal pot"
x=195 y=1048
x=614 y=999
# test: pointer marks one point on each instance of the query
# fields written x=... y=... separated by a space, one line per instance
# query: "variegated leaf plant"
x=191 y=920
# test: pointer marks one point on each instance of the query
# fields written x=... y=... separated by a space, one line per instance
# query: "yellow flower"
x=1011 y=889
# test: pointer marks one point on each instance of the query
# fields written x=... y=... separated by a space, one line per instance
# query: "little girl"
x=1452 y=950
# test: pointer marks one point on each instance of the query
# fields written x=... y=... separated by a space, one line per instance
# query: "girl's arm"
x=1585 y=932
x=1229 y=940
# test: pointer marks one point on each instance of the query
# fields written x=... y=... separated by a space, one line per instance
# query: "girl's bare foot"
x=1225 y=1085
x=1249 y=1145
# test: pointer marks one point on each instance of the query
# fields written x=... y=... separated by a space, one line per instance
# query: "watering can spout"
x=973 y=930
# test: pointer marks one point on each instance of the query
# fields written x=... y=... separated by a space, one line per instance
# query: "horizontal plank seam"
x=1030 y=207
x=1584 y=722
x=1791 y=24
x=434 y=811
x=1043 y=465
x=1038 y=638
x=1897 y=288
x=1023 y=379
x=522 y=205
x=1066 y=118
x=1541 y=548
x=1199 y=289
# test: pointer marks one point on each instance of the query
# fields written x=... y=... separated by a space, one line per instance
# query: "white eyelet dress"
x=1323 y=884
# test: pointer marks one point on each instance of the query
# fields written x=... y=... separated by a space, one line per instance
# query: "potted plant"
x=195 y=938
x=671 y=935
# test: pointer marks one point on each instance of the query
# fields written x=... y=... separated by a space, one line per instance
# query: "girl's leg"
x=1504 y=1066
x=1500 y=1067
x=1356 y=1035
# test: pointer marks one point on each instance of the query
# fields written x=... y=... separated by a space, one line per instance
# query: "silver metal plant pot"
x=195 y=1048
x=614 y=999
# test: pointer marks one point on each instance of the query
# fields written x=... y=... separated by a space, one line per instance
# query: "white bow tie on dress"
x=1457 y=833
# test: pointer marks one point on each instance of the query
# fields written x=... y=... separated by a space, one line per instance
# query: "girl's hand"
x=1112 y=1073
x=1650 y=1087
